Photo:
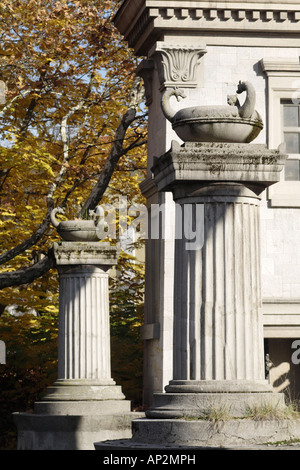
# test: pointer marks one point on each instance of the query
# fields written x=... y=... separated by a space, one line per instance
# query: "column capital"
x=177 y=64
x=85 y=253
x=252 y=165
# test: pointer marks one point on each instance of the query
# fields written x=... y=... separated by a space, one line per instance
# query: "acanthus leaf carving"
x=177 y=65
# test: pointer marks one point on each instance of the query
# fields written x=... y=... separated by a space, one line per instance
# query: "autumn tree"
x=72 y=131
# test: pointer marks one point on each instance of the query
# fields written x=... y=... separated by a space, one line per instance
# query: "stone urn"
x=231 y=123
x=91 y=229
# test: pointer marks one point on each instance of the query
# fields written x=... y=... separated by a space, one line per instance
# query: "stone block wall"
x=280 y=247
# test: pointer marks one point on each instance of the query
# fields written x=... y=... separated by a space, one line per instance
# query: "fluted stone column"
x=217 y=293
x=84 y=346
x=218 y=331
x=84 y=405
x=84 y=366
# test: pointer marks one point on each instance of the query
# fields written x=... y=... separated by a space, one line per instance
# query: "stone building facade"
x=206 y=48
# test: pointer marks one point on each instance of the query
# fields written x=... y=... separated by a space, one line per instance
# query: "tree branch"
x=64 y=138
x=109 y=166
x=117 y=150
x=27 y=275
x=43 y=227
x=29 y=242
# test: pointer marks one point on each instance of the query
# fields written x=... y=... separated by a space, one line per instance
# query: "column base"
x=71 y=432
x=181 y=435
x=198 y=399
x=83 y=389
x=223 y=386
x=82 y=396
x=73 y=414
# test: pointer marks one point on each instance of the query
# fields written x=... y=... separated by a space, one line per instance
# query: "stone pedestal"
x=84 y=404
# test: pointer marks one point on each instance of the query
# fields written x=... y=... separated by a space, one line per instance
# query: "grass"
x=218 y=414
x=214 y=414
x=282 y=443
x=269 y=412
x=256 y=412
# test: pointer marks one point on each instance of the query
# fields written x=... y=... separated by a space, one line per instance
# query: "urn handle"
x=168 y=111
x=54 y=220
x=98 y=215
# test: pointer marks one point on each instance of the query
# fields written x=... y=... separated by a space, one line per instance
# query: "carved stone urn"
x=91 y=229
x=231 y=123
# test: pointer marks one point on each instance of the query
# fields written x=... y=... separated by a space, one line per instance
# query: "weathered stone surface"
x=198 y=162
x=71 y=432
x=207 y=433
x=85 y=253
x=197 y=405
x=235 y=434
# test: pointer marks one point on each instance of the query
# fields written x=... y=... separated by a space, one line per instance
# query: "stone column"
x=84 y=367
x=84 y=346
x=218 y=332
x=84 y=405
x=217 y=287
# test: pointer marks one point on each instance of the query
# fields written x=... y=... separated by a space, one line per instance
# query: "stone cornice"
x=148 y=187
x=142 y=22
x=242 y=163
x=280 y=67
x=85 y=253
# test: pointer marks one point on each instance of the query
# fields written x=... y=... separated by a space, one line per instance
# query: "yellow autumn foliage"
x=68 y=77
